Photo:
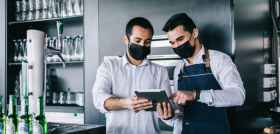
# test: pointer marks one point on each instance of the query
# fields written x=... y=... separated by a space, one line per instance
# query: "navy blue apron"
x=199 y=118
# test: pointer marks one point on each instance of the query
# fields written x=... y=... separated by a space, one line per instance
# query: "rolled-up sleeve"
x=102 y=88
x=233 y=93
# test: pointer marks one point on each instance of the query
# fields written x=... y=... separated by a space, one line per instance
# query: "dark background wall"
x=214 y=20
x=252 y=18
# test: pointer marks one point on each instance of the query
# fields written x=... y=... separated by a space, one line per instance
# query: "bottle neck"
x=40 y=108
x=1 y=107
x=24 y=107
x=12 y=106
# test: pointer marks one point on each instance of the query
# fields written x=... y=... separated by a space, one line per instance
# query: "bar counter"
x=65 y=128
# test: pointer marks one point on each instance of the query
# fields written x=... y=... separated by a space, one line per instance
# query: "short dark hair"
x=139 y=21
x=177 y=20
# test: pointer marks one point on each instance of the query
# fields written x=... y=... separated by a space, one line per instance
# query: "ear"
x=125 y=39
x=195 y=32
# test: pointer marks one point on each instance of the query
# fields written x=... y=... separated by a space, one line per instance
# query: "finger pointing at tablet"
x=181 y=97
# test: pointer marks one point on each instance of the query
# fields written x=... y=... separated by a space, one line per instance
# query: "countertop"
x=64 y=128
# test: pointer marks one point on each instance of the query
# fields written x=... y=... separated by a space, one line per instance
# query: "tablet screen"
x=154 y=95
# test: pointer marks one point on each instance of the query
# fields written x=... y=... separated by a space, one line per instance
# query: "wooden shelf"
x=52 y=19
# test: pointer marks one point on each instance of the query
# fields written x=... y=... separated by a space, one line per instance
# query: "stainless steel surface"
x=252 y=18
x=3 y=51
x=63 y=128
x=36 y=66
x=91 y=57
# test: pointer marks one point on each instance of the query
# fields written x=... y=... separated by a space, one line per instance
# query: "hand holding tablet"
x=154 y=95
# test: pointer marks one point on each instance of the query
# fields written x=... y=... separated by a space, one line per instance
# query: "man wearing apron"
x=206 y=82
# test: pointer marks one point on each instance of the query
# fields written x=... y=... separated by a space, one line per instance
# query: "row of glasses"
x=20 y=53
x=72 y=48
x=46 y=9
x=68 y=98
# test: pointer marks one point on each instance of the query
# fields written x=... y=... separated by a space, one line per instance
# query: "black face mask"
x=186 y=50
x=138 y=52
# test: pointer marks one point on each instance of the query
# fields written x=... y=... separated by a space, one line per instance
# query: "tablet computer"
x=154 y=95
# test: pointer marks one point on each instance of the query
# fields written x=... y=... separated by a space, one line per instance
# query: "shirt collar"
x=125 y=61
x=198 y=57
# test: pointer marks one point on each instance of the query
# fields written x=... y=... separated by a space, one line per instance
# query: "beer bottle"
x=2 y=117
x=12 y=118
x=39 y=124
x=25 y=121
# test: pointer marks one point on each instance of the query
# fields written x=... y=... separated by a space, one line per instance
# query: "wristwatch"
x=197 y=97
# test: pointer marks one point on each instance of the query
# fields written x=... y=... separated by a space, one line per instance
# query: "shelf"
x=70 y=62
x=52 y=19
x=65 y=108
x=59 y=108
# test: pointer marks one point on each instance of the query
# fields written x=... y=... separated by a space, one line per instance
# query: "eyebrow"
x=176 y=39
x=141 y=38
x=137 y=38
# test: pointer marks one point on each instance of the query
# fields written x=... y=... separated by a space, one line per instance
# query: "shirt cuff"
x=170 y=121
x=206 y=97
x=102 y=100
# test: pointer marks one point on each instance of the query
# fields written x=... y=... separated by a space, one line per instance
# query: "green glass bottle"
x=12 y=118
x=2 y=117
x=39 y=124
x=25 y=121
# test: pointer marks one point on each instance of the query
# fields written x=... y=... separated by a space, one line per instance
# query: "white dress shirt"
x=118 y=78
x=225 y=72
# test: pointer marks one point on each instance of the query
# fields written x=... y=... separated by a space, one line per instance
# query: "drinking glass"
x=50 y=43
x=63 y=11
x=50 y=9
x=70 y=98
x=21 y=51
x=69 y=8
x=55 y=98
x=38 y=15
x=38 y=4
x=25 y=49
x=79 y=99
x=16 y=51
x=23 y=5
x=82 y=7
x=45 y=4
x=75 y=45
x=65 y=53
x=45 y=14
x=18 y=6
x=23 y=16
x=70 y=47
x=56 y=46
x=62 y=98
x=78 y=48
x=30 y=15
x=58 y=8
x=82 y=47
x=77 y=7
x=18 y=16
x=54 y=8
x=31 y=5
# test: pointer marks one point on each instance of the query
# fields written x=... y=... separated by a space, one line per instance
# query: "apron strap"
x=206 y=58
